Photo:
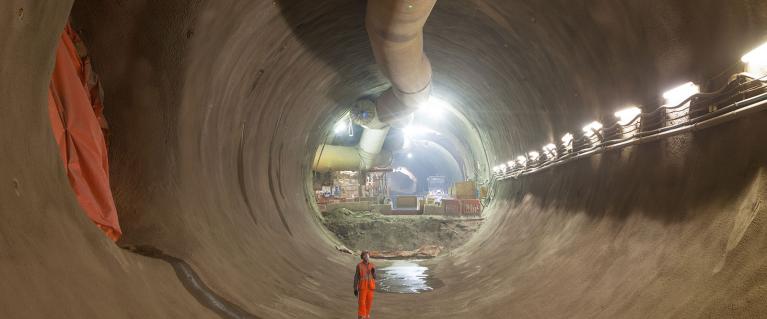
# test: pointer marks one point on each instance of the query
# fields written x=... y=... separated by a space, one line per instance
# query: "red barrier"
x=471 y=207
x=452 y=207
x=75 y=111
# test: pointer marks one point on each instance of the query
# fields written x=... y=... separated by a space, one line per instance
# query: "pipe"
x=370 y=146
x=363 y=157
x=333 y=158
x=395 y=29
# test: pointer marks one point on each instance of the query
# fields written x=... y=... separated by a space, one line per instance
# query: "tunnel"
x=215 y=109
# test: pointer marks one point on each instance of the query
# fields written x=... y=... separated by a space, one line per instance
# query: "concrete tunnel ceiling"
x=215 y=108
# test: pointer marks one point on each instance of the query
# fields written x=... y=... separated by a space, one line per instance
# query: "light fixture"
x=567 y=140
x=550 y=150
x=432 y=107
x=680 y=93
x=511 y=164
x=344 y=124
x=433 y=103
x=341 y=126
x=534 y=155
x=756 y=61
x=756 y=55
x=408 y=130
x=497 y=169
x=522 y=160
x=409 y=155
x=591 y=129
x=627 y=115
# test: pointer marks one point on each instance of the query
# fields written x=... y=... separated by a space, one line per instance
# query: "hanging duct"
x=395 y=29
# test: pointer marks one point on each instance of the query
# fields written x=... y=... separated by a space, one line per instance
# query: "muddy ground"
x=375 y=231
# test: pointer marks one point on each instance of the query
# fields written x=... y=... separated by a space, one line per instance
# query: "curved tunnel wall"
x=213 y=112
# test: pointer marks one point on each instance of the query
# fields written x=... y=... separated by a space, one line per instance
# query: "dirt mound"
x=427 y=251
x=393 y=235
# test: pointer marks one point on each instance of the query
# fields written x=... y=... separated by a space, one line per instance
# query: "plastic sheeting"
x=76 y=113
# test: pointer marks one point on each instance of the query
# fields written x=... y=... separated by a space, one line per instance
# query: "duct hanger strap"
x=414 y=99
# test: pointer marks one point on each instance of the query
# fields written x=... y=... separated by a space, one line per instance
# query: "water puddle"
x=406 y=277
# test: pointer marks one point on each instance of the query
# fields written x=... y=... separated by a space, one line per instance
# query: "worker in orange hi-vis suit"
x=364 y=285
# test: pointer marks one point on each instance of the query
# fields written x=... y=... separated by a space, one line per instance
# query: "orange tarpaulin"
x=75 y=110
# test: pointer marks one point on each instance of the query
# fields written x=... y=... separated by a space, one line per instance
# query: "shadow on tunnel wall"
x=334 y=32
x=670 y=180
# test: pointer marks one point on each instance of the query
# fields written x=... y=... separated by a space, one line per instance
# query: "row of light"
x=756 y=64
x=625 y=117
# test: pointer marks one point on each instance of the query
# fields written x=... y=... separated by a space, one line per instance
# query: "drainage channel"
x=196 y=287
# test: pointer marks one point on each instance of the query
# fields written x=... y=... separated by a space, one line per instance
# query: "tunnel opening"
x=422 y=198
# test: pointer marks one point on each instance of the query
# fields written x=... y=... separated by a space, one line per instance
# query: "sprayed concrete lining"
x=213 y=109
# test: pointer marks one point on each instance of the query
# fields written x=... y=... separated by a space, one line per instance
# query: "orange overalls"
x=366 y=287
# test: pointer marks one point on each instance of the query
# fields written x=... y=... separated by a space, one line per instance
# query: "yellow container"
x=407 y=202
x=466 y=190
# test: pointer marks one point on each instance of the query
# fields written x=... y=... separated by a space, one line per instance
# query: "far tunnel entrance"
x=422 y=198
